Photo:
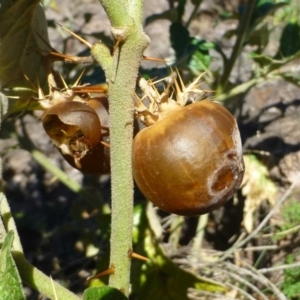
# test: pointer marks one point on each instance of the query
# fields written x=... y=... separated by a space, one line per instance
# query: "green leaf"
x=10 y=283
x=180 y=38
x=103 y=293
x=268 y=64
x=263 y=9
x=260 y=37
x=291 y=283
x=200 y=59
x=20 y=21
x=289 y=40
x=292 y=78
x=160 y=278
x=17 y=100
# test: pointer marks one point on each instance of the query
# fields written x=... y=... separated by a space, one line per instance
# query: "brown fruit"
x=190 y=162
x=75 y=129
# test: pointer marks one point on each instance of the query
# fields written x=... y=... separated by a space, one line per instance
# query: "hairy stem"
x=121 y=72
x=39 y=281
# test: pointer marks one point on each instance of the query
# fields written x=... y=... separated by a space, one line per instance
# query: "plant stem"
x=241 y=35
x=121 y=74
x=193 y=14
x=50 y=167
x=39 y=281
x=9 y=222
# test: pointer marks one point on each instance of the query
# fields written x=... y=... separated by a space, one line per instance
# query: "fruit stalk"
x=121 y=73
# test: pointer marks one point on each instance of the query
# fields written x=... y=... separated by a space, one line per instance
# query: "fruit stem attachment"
x=121 y=69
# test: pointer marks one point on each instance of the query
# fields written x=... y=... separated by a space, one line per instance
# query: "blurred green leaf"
x=291 y=284
x=103 y=293
x=263 y=9
x=267 y=64
x=20 y=45
x=180 y=39
x=291 y=215
x=292 y=78
x=160 y=278
x=289 y=40
x=260 y=37
x=19 y=100
x=200 y=59
x=10 y=283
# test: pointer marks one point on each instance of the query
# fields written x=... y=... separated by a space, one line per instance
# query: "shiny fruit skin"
x=190 y=162
x=67 y=118
x=75 y=129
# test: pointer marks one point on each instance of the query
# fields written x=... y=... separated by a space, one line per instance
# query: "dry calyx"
x=188 y=160
x=78 y=126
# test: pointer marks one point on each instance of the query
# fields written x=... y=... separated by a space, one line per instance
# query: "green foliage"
x=180 y=38
x=103 y=293
x=291 y=215
x=200 y=59
x=291 y=284
x=23 y=37
x=290 y=40
x=160 y=278
x=10 y=283
x=291 y=220
x=264 y=8
x=20 y=43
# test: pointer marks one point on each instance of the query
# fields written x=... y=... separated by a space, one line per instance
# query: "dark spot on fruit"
x=223 y=179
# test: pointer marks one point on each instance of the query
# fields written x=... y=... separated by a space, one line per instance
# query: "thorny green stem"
x=39 y=281
x=241 y=35
x=121 y=72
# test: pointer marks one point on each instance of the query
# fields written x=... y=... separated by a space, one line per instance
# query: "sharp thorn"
x=40 y=91
x=31 y=83
x=132 y=254
x=154 y=59
x=180 y=79
x=63 y=81
x=108 y=271
x=118 y=41
x=105 y=144
x=78 y=79
x=77 y=36
x=99 y=88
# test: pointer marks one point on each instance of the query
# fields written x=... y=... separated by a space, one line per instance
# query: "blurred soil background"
x=64 y=233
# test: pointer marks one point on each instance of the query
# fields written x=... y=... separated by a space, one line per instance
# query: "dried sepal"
x=73 y=120
x=188 y=160
x=161 y=105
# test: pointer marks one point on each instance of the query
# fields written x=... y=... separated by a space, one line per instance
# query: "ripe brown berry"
x=75 y=128
x=189 y=162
